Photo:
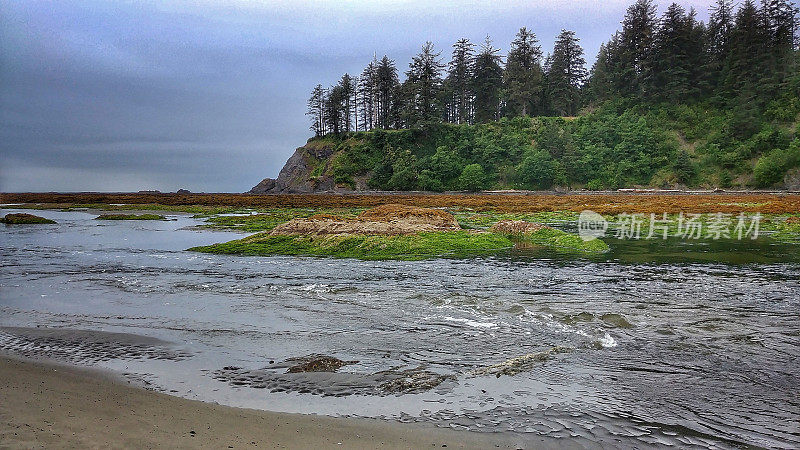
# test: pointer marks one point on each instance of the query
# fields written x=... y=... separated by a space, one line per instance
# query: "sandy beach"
x=48 y=405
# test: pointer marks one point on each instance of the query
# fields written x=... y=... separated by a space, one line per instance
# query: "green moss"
x=408 y=247
x=562 y=241
x=786 y=232
x=23 y=219
x=130 y=217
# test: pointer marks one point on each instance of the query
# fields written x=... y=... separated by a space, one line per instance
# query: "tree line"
x=743 y=57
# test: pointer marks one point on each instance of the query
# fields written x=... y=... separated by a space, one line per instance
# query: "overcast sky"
x=210 y=95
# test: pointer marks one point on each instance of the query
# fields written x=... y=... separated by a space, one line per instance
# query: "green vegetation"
x=130 y=217
x=787 y=230
x=22 y=219
x=408 y=247
x=618 y=145
x=268 y=219
x=563 y=241
x=404 y=247
x=670 y=102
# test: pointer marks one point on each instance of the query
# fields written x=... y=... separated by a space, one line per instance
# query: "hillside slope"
x=615 y=146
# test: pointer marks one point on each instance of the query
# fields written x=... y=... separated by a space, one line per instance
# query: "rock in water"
x=316 y=363
x=23 y=219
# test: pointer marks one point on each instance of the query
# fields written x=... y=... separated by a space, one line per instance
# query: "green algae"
x=24 y=219
x=130 y=217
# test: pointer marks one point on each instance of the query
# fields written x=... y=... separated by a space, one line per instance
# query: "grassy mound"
x=368 y=247
x=402 y=247
x=398 y=232
x=22 y=218
x=130 y=217
x=384 y=220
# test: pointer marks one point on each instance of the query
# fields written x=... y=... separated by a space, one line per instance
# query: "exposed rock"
x=383 y=220
x=412 y=381
x=306 y=172
x=316 y=363
x=183 y=191
x=792 y=180
x=264 y=187
x=23 y=218
x=519 y=364
x=442 y=220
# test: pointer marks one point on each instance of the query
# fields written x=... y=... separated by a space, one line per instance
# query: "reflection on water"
x=684 y=343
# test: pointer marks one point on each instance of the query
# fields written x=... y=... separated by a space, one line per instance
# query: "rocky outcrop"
x=306 y=172
x=264 y=187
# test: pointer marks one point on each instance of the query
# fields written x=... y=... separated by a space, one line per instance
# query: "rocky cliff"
x=308 y=171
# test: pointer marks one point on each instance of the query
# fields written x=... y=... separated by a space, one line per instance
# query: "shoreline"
x=600 y=202
x=49 y=404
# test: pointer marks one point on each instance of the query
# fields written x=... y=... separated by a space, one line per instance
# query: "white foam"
x=607 y=341
x=472 y=323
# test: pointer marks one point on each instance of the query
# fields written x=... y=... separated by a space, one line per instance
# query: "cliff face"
x=306 y=172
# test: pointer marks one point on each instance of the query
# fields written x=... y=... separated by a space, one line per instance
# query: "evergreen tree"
x=780 y=28
x=720 y=27
x=605 y=81
x=316 y=109
x=386 y=86
x=523 y=76
x=567 y=74
x=487 y=81
x=678 y=52
x=422 y=87
x=334 y=109
x=459 y=86
x=348 y=92
x=368 y=92
x=746 y=66
x=636 y=48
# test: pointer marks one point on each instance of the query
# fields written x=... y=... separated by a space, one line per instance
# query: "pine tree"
x=636 y=48
x=459 y=86
x=334 y=109
x=348 y=92
x=368 y=89
x=386 y=86
x=720 y=27
x=606 y=81
x=523 y=76
x=316 y=109
x=746 y=65
x=678 y=52
x=780 y=28
x=487 y=81
x=567 y=74
x=422 y=87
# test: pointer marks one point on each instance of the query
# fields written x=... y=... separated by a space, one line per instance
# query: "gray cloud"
x=210 y=95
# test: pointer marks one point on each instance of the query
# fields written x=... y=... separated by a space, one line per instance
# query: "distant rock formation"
x=307 y=171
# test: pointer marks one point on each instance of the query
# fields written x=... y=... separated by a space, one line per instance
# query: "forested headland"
x=670 y=101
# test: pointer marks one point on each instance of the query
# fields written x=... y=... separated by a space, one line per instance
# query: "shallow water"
x=691 y=344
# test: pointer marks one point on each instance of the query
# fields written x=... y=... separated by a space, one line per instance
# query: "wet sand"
x=49 y=405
